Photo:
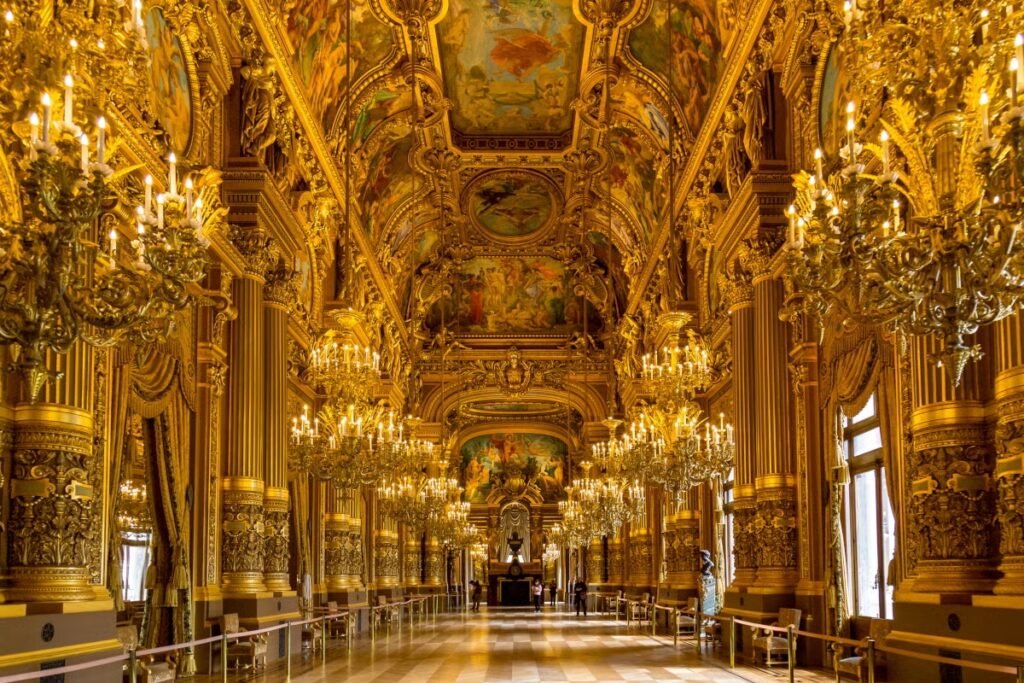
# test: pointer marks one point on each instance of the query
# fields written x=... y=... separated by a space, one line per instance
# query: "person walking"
x=538 y=595
x=476 y=594
x=553 y=590
x=579 y=590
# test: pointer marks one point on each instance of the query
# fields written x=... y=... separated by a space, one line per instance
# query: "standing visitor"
x=580 y=591
x=553 y=589
x=476 y=588
x=538 y=595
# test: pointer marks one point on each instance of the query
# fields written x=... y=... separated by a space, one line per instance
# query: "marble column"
x=1009 y=467
x=951 y=496
x=278 y=293
x=739 y=295
x=243 y=515
x=55 y=494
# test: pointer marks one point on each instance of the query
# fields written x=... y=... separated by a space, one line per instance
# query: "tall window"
x=870 y=524
x=135 y=558
x=728 y=562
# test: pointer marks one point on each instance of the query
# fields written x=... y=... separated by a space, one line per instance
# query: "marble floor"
x=518 y=645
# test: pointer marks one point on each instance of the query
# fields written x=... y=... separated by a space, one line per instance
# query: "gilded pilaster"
x=616 y=560
x=243 y=512
x=1009 y=468
x=951 y=492
x=739 y=296
x=342 y=543
x=640 y=553
x=682 y=546
x=55 y=499
x=596 y=561
x=278 y=293
x=433 y=558
x=412 y=560
x=386 y=554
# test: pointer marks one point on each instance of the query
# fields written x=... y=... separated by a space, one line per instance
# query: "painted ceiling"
x=504 y=150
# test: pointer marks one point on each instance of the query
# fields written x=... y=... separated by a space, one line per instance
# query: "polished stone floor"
x=518 y=645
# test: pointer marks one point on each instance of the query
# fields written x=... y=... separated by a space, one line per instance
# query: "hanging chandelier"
x=676 y=373
x=919 y=231
x=133 y=507
x=417 y=491
x=346 y=371
x=348 y=447
x=453 y=528
x=75 y=262
x=692 y=455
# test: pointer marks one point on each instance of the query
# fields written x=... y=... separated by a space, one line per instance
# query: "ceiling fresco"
x=511 y=67
x=510 y=205
x=317 y=33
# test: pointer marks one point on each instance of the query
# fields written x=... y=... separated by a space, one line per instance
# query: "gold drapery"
x=158 y=384
x=298 y=487
x=857 y=363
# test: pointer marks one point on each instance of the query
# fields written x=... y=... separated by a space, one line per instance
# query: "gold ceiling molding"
x=580 y=396
x=757 y=33
x=269 y=32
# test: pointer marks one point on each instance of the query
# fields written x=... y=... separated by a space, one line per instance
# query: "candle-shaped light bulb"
x=1014 y=69
x=113 y=242
x=148 y=181
x=101 y=139
x=33 y=128
x=69 y=87
x=197 y=211
x=851 y=126
x=791 y=213
x=172 y=176
x=137 y=12
x=817 y=161
x=984 y=25
x=8 y=16
x=83 y=139
x=1018 y=51
x=160 y=199
x=983 y=113
x=47 y=105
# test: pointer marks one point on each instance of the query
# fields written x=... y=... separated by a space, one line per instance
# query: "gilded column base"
x=435 y=564
x=955 y=576
x=386 y=558
x=242 y=544
x=745 y=541
x=1012 y=581
x=775 y=533
x=49 y=584
x=413 y=565
x=276 y=546
x=54 y=500
x=616 y=563
x=640 y=570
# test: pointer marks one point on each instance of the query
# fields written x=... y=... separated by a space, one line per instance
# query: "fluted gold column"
x=739 y=294
x=278 y=293
x=55 y=497
x=412 y=559
x=616 y=559
x=433 y=556
x=1009 y=468
x=242 y=548
x=596 y=562
x=682 y=544
x=337 y=542
x=775 y=524
x=950 y=491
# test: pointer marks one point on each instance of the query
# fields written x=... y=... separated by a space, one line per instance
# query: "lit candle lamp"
x=1014 y=69
x=188 y=198
x=160 y=211
x=1018 y=46
x=69 y=84
x=817 y=162
x=113 y=243
x=851 y=126
x=47 y=105
x=33 y=128
x=84 y=140
x=172 y=177
x=883 y=137
x=148 y=181
x=983 y=113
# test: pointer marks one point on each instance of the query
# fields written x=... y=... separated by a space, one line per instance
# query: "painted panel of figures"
x=170 y=97
x=701 y=30
x=317 y=31
x=511 y=67
x=503 y=466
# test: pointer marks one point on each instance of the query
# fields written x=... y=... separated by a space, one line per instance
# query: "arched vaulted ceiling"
x=503 y=190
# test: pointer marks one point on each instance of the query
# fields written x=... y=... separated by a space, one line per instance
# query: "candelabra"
x=692 y=457
x=65 y=276
x=346 y=371
x=919 y=231
x=677 y=373
x=133 y=507
x=418 y=498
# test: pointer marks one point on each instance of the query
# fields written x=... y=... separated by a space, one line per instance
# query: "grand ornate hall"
x=511 y=340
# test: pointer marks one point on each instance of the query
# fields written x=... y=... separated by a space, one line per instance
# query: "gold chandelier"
x=346 y=371
x=74 y=262
x=676 y=373
x=691 y=455
x=919 y=231
x=454 y=529
x=417 y=490
x=133 y=513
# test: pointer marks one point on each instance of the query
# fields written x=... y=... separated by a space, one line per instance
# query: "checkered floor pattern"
x=513 y=646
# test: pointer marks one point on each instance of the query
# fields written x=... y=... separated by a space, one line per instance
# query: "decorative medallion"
x=511 y=206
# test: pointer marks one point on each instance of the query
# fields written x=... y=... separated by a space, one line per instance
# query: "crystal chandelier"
x=76 y=265
x=677 y=373
x=417 y=494
x=339 y=445
x=919 y=231
x=346 y=371
x=454 y=529
x=133 y=507
x=692 y=455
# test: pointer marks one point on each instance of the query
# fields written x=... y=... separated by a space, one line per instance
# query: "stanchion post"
x=675 y=627
x=1020 y=673
x=224 y=657
x=791 y=652
x=698 y=627
x=732 y=642
x=870 y=656
x=133 y=674
x=654 y=620
x=323 y=639
x=288 y=651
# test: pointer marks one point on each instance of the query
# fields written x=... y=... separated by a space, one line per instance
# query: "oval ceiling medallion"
x=511 y=206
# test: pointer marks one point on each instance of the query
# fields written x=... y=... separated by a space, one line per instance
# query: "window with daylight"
x=870 y=524
x=728 y=562
x=135 y=557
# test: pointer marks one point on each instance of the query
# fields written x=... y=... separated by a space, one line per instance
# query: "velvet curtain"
x=857 y=363
x=158 y=384
x=301 y=531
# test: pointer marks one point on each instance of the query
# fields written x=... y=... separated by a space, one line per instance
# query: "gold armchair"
x=250 y=652
x=855 y=666
x=772 y=645
x=686 y=622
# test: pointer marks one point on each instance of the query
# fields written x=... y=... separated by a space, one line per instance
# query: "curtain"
x=857 y=363
x=116 y=429
x=301 y=531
